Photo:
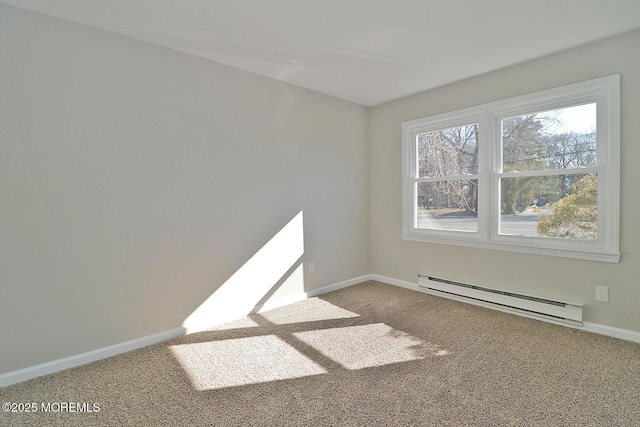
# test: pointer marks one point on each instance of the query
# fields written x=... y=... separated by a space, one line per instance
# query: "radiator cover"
x=524 y=305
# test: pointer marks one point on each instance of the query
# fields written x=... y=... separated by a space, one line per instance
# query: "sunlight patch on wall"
x=289 y=291
x=311 y=310
x=366 y=346
x=236 y=362
x=239 y=295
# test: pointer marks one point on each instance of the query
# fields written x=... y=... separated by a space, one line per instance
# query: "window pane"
x=448 y=205
x=557 y=139
x=448 y=152
x=556 y=206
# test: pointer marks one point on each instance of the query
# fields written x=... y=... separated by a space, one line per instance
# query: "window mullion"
x=490 y=149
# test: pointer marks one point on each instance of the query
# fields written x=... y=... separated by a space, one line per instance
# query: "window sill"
x=599 y=256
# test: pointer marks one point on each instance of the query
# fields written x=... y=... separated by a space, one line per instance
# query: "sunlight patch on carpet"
x=310 y=310
x=366 y=346
x=242 y=361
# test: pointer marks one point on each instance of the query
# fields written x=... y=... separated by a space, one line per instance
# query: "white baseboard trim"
x=28 y=373
x=270 y=305
x=340 y=285
x=91 y=356
x=395 y=282
x=102 y=353
x=624 y=334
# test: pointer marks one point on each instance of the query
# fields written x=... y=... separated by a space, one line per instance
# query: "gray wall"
x=136 y=180
x=539 y=275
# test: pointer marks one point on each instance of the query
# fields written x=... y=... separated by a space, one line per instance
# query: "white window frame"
x=605 y=92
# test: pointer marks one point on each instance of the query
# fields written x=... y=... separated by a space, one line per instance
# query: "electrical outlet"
x=602 y=294
x=312 y=267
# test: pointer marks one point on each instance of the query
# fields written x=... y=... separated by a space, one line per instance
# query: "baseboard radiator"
x=524 y=305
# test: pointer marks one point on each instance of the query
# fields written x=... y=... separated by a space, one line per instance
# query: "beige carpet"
x=371 y=354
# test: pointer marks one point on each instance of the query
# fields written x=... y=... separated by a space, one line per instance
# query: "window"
x=537 y=173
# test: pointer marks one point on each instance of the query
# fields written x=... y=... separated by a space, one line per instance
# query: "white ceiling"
x=364 y=51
